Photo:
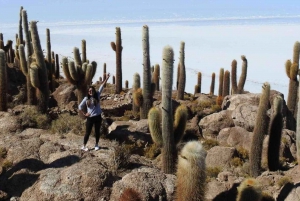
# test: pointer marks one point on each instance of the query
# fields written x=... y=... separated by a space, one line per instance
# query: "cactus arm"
x=23 y=62
x=243 y=77
x=66 y=71
x=77 y=57
x=180 y=122
x=154 y=121
x=83 y=47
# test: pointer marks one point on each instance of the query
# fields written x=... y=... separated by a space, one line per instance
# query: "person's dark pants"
x=90 y=121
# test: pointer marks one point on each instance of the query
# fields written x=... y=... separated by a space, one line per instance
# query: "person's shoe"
x=97 y=147
x=84 y=148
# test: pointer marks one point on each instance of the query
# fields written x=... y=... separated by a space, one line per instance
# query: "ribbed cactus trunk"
x=274 y=133
x=260 y=129
x=221 y=77
x=226 y=83
x=136 y=85
x=57 y=71
x=83 y=49
x=147 y=96
x=49 y=60
x=117 y=47
x=3 y=82
x=243 y=77
x=191 y=173
x=104 y=73
x=199 y=81
x=212 y=84
x=43 y=89
x=20 y=36
x=233 y=77
x=168 y=153
x=156 y=76
x=30 y=90
x=181 y=81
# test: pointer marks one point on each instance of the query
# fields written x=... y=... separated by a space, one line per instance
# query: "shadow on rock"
x=228 y=195
x=23 y=174
x=285 y=191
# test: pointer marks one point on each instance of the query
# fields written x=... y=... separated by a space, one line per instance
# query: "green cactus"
x=243 y=76
x=39 y=63
x=212 y=85
x=147 y=95
x=83 y=49
x=117 y=47
x=79 y=74
x=199 y=81
x=226 y=83
x=182 y=76
x=191 y=173
x=249 y=190
x=136 y=85
x=169 y=152
x=221 y=77
x=260 y=129
x=3 y=82
x=274 y=133
x=154 y=121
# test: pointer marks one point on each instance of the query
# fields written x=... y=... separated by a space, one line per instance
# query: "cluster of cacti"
x=191 y=173
x=260 y=129
x=38 y=70
x=78 y=73
x=117 y=47
x=238 y=88
x=147 y=86
x=182 y=76
x=249 y=190
x=212 y=85
x=3 y=82
x=130 y=194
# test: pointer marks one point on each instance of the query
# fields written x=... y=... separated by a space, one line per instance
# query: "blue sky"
x=72 y=10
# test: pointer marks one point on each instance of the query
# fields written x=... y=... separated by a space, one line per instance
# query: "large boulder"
x=220 y=156
x=150 y=183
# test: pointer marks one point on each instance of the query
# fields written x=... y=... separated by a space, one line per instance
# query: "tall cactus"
x=20 y=27
x=190 y=184
x=79 y=74
x=243 y=76
x=199 y=81
x=260 y=129
x=168 y=154
x=147 y=95
x=182 y=76
x=83 y=49
x=226 y=83
x=104 y=73
x=25 y=64
x=298 y=130
x=212 y=84
x=3 y=82
x=49 y=61
x=233 y=77
x=136 y=85
x=57 y=71
x=221 y=77
x=38 y=69
x=156 y=76
x=117 y=47
x=274 y=133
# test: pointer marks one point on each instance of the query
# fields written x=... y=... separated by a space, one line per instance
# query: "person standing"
x=93 y=114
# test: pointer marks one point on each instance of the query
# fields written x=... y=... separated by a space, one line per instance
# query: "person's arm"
x=103 y=83
x=81 y=105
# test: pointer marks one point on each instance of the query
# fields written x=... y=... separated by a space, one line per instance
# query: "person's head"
x=91 y=91
x=92 y=95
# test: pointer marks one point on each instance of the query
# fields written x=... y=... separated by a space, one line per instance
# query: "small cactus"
x=117 y=47
x=212 y=85
x=190 y=184
x=136 y=85
x=226 y=83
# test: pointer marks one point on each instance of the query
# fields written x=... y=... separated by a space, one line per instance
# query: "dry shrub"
x=152 y=151
x=283 y=181
x=210 y=143
x=242 y=153
x=6 y=164
x=119 y=156
x=236 y=162
x=132 y=114
x=216 y=108
x=212 y=172
x=3 y=152
x=32 y=118
x=130 y=194
x=66 y=123
x=200 y=106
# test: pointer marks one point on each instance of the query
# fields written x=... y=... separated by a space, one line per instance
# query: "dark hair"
x=94 y=97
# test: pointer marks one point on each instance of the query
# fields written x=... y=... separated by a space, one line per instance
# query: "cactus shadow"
x=285 y=191
x=228 y=195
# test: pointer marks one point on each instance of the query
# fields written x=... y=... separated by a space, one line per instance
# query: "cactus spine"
x=117 y=47
x=190 y=184
x=275 y=130
x=39 y=66
x=147 y=96
x=260 y=130
x=226 y=83
x=3 y=82
x=212 y=85
x=182 y=76
x=249 y=190
x=168 y=154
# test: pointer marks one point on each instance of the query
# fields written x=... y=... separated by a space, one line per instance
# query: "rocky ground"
x=37 y=164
